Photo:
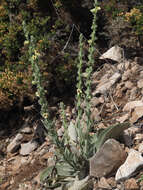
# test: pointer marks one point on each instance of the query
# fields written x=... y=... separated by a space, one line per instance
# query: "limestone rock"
x=27 y=148
x=111 y=181
x=137 y=114
x=101 y=89
x=109 y=157
x=140 y=83
x=140 y=148
x=133 y=93
x=134 y=68
x=15 y=143
x=95 y=102
x=115 y=53
x=84 y=184
x=127 y=64
x=103 y=184
x=131 y=105
x=132 y=163
x=131 y=184
x=123 y=118
x=126 y=75
x=26 y=130
x=129 y=85
x=95 y=115
x=138 y=137
x=16 y=163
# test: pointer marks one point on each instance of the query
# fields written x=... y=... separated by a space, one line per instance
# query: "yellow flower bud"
x=45 y=115
x=95 y=9
x=26 y=42
x=37 y=54
x=37 y=94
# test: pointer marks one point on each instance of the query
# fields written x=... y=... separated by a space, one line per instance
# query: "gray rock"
x=133 y=93
x=137 y=114
x=103 y=184
x=84 y=184
x=123 y=118
x=95 y=115
x=27 y=148
x=140 y=83
x=129 y=85
x=102 y=89
x=15 y=143
x=102 y=99
x=135 y=68
x=126 y=75
x=107 y=160
x=140 y=148
x=60 y=132
x=26 y=130
x=29 y=108
x=141 y=74
x=111 y=181
x=121 y=66
x=131 y=105
x=127 y=64
x=115 y=53
x=131 y=184
x=104 y=79
x=132 y=163
x=95 y=102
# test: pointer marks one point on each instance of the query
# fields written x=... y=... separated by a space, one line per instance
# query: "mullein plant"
x=74 y=154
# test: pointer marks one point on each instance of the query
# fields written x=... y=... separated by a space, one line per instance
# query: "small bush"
x=124 y=22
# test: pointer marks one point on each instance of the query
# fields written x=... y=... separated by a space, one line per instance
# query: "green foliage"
x=12 y=5
x=63 y=170
x=140 y=179
x=135 y=17
x=111 y=132
x=12 y=42
x=14 y=84
x=46 y=28
x=123 y=22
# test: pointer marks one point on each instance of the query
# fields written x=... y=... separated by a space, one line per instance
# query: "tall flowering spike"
x=90 y=64
x=79 y=95
x=79 y=77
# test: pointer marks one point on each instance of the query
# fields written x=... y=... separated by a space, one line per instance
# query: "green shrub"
x=123 y=22
x=47 y=28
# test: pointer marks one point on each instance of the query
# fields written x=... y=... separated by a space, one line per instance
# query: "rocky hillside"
x=117 y=88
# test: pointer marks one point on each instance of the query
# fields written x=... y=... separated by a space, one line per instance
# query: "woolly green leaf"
x=46 y=173
x=64 y=169
x=111 y=132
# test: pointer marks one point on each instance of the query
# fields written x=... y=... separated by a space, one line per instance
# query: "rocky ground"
x=117 y=89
